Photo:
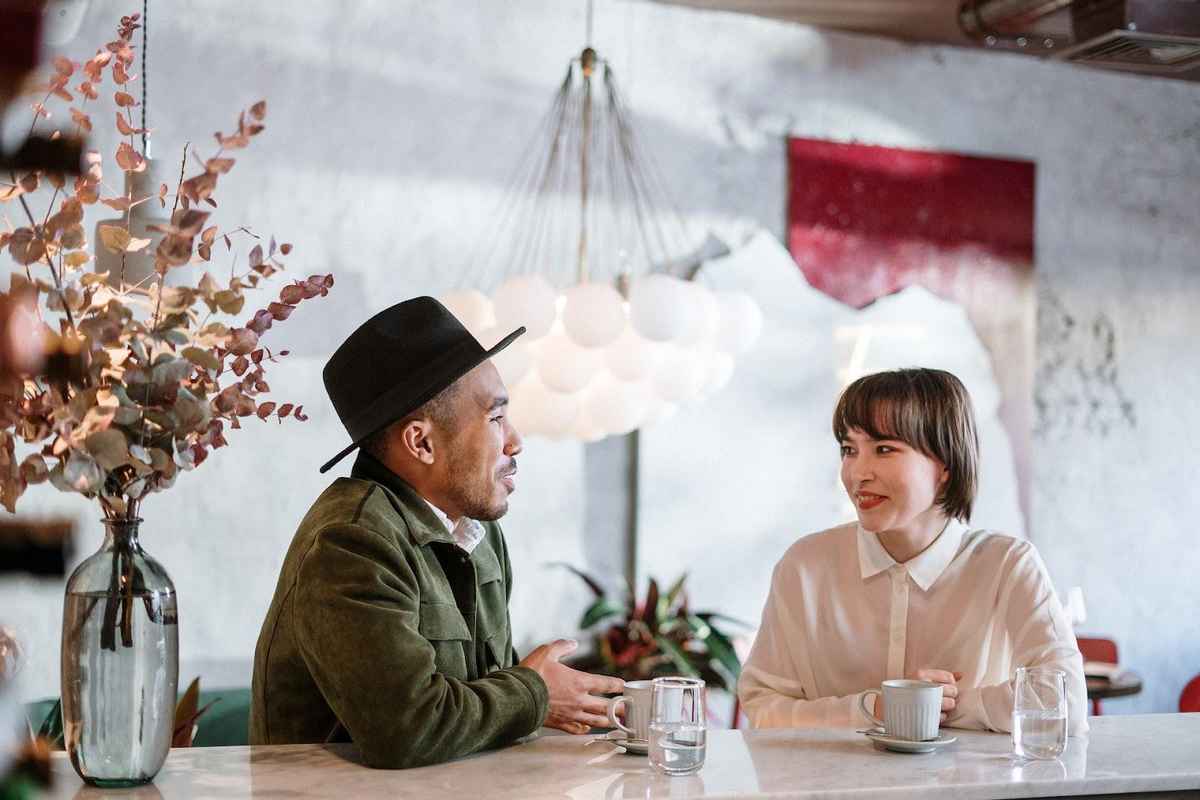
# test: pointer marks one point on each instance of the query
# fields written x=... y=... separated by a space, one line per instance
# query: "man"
x=389 y=624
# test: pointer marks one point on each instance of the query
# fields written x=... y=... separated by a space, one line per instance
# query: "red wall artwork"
x=866 y=221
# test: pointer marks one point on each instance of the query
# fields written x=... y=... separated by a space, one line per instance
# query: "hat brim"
x=466 y=367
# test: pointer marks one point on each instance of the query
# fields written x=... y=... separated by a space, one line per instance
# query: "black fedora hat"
x=395 y=362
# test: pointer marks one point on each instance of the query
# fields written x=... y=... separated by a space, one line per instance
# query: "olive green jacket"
x=384 y=631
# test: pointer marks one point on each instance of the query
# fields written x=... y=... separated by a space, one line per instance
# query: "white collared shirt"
x=843 y=616
x=467 y=533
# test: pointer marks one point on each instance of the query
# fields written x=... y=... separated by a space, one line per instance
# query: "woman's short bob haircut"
x=927 y=409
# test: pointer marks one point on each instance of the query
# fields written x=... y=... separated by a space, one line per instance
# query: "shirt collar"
x=925 y=568
x=467 y=533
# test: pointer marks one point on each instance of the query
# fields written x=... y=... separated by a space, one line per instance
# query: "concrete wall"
x=391 y=131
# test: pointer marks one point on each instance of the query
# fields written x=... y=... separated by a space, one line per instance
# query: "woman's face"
x=893 y=486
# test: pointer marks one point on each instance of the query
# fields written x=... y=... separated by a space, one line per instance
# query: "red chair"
x=1190 y=699
x=1094 y=649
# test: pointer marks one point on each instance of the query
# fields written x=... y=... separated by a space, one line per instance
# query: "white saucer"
x=884 y=742
x=637 y=747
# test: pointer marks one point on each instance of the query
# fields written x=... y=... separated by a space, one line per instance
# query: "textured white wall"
x=393 y=127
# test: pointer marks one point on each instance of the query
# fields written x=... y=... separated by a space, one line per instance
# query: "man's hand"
x=574 y=706
x=948 y=680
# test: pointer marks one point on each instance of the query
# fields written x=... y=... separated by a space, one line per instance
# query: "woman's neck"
x=905 y=544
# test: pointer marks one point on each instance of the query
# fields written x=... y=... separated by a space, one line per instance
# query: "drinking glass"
x=677 y=725
x=1039 y=727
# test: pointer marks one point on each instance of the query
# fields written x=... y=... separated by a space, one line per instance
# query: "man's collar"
x=925 y=568
x=467 y=533
x=424 y=525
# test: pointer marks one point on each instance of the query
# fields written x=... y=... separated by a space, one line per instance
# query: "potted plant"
x=656 y=635
x=145 y=381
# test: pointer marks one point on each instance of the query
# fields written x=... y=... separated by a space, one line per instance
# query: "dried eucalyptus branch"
x=162 y=377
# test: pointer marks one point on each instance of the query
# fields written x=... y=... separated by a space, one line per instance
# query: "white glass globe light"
x=535 y=410
x=705 y=316
x=741 y=322
x=473 y=309
x=632 y=357
x=661 y=307
x=658 y=411
x=720 y=370
x=522 y=407
x=680 y=376
x=565 y=366
x=594 y=314
x=615 y=406
x=556 y=411
x=525 y=300
x=585 y=429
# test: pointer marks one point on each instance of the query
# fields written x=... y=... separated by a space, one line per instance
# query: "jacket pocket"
x=497 y=646
x=444 y=628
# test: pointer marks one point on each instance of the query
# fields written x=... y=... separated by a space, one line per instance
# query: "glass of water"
x=1039 y=712
x=677 y=725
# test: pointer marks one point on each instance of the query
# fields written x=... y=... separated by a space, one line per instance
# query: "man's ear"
x=415 y=440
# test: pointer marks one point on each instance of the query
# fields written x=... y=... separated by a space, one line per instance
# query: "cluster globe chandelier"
x=589 y=261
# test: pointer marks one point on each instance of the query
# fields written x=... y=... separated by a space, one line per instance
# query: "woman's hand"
x=949 y=681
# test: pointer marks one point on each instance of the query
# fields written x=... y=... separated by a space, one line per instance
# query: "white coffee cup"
x=637 y=709
x=911 y=709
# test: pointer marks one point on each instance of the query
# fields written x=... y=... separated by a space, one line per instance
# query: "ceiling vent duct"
x=1160 y=37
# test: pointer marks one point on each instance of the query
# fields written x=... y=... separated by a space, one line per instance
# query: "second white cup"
x=911 y=709
x=636 y=700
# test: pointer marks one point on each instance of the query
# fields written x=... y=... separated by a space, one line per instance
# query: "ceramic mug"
x=911 y=709
x=637 y=709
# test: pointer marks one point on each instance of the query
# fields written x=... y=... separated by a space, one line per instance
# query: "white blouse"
x=843 y=616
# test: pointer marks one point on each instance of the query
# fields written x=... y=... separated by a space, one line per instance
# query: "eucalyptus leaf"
x=202 y=358
x=81 y=474
x=170 y=371
x=109 y=448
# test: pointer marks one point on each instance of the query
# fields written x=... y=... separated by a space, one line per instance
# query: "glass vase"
x=120 y=662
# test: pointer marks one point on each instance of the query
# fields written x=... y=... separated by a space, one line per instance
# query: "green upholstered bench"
x=225 y=724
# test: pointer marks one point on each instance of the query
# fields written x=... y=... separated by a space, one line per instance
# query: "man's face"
x=478 y=462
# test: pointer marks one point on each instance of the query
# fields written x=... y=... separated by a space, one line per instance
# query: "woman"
x=910 y=590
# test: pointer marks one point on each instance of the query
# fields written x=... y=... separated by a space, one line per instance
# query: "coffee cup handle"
x=862 y=704
x=613 y=703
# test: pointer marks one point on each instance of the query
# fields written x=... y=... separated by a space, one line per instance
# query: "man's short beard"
x=474 y=502
x=475 y=507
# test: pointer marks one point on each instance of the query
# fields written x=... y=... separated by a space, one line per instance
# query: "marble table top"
x=1150 y=753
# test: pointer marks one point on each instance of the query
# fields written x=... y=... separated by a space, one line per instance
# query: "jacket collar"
x=423 y=525
x=925 y=568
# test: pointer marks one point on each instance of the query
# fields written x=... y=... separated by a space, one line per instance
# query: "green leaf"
x=650 y=612
x=675 y=591
x=600 y=610
x=709 y=616
x=51 y=728
x=592 y=583
x=720 y=648
x=677 y=656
